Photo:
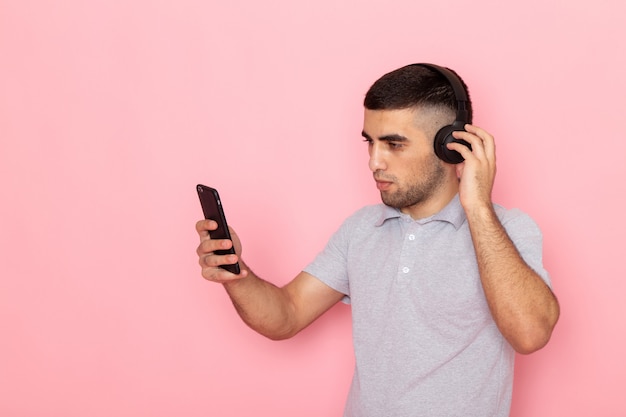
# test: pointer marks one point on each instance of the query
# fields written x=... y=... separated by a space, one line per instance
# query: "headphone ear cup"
x=442 y=138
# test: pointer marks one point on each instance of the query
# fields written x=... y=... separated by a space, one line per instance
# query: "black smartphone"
x=212 y=208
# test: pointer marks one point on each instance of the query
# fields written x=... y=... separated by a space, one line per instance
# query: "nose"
x=377 y=161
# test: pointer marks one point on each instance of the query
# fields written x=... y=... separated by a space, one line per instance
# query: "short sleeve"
x=528 y=239
x=330 y=265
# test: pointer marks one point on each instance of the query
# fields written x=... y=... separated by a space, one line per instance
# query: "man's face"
x=406 y=170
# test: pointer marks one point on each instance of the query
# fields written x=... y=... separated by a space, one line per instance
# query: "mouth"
x=383 y=185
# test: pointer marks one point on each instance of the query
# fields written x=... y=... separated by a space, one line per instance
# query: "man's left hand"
x=477 y=173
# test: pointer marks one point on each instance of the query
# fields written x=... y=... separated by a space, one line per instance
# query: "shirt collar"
x=452 y=213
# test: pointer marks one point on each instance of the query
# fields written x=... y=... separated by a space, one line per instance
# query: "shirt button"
x=405 y=270
x=411 y=237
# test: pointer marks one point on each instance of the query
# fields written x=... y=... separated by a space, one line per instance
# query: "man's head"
x=404 y=110
x=417 y=86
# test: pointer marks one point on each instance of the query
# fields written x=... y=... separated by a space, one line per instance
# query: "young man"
x=444 y=285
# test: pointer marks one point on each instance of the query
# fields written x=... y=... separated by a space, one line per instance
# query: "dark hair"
x=413 y=86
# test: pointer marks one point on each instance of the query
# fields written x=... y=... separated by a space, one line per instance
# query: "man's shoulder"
x=371 y=214
x=514 y=218
x=369 y=210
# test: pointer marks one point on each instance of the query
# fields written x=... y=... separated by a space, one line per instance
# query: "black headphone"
x=444 y=135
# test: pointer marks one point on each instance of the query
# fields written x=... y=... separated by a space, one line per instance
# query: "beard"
x=419 y=190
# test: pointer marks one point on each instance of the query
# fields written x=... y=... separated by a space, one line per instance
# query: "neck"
x=435 y=203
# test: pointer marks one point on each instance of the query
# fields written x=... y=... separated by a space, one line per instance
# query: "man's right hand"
x=210 y=262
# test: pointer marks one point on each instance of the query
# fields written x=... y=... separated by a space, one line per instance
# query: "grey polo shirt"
x=424 y=340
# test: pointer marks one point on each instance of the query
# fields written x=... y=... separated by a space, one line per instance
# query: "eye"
x=368 y=141
x=394 y=145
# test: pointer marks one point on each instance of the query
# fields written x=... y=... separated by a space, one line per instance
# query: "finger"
x=216 y=274
x=487 y=138
x=204 y=226
x=209 y=246
x=211 y=260
x=477 y=143
x=465 y=152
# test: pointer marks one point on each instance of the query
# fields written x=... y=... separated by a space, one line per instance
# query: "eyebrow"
x=387 y=138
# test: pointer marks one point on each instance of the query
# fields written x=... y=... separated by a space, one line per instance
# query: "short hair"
x=414 y=86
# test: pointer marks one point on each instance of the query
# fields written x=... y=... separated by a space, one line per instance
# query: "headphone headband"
x=462 y=113
x=444 y=135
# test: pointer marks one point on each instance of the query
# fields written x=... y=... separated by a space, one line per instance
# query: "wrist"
x=479 y=210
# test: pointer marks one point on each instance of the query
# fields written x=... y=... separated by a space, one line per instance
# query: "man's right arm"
x=275 y=312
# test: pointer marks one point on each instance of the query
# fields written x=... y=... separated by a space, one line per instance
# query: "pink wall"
x=112 y=111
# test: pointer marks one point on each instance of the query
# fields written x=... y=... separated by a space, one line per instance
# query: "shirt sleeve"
x=528 y=239
x=330 y=265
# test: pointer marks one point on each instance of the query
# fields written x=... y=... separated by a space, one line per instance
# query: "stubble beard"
x=418 y=191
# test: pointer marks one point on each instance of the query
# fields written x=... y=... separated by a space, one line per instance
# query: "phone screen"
x=212 y=209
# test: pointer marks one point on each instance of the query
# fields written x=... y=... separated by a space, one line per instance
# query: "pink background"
x=112 y=111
